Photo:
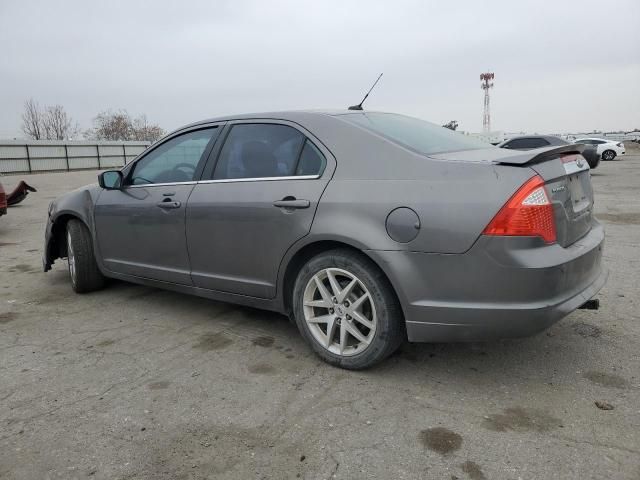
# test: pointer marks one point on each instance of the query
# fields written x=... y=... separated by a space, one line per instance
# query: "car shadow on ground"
x=505 y=362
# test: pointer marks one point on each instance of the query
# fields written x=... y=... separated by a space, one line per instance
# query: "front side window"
x=418 y=135
x=263 y=150
x=175 y=160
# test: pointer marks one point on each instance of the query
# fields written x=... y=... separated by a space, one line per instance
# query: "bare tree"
x=109 y=125
x=119 y=125
x=143 y=130
x=32 y=120
x=50 y=123
x=57 y=124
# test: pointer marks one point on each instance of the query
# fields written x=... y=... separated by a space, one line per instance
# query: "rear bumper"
x=503 y=287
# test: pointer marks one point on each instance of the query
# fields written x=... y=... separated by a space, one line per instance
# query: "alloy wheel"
x=339 y=311
x=71 y=258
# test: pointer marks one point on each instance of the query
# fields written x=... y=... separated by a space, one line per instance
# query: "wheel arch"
x=305 y=252
x=57 y=247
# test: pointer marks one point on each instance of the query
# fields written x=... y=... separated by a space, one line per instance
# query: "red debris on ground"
x=19 y=193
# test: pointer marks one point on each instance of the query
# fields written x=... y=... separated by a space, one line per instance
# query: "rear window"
x=418 y=135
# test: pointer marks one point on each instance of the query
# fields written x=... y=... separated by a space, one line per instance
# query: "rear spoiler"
x=540 y=154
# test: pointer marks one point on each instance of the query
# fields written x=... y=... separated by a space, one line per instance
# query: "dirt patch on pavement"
x=519 y=419
x=587 y=330
x=473 y=470
x=21 y=267
x=212 y=341
x=606 y=379
x=620 y=218
x=263 y=341
x=262 y=369
x=162 y=385
x=8 y=317
x=441 y=440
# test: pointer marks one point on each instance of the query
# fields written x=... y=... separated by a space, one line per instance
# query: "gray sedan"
x=365 y=228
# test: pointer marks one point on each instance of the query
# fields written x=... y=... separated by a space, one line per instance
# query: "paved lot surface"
x=134 y=382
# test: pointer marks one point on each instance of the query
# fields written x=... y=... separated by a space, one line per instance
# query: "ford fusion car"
x=529 y=142
x=365 y=228
x=608 y=149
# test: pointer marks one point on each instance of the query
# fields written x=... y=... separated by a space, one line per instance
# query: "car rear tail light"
x=528 y=213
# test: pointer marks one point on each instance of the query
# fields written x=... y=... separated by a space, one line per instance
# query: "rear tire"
x=83 y=269
x=608 y=155
x=346 y=310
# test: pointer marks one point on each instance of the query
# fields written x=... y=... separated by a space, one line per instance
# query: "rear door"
x=257 y=197
x=141 y=228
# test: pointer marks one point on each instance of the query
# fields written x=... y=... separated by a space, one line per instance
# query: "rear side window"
x=418 y=135
x=311 y=161
x=526 y=143
x=264 y=150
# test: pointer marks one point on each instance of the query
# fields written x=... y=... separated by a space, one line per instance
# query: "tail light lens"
x=528 y=213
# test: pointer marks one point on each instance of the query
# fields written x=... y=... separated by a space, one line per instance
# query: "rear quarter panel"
x=454 y=201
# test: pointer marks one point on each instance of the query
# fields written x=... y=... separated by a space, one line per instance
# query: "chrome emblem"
x=579 y=162
x=561 y=188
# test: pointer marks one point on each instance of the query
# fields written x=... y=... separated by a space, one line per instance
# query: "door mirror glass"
x=111 y=179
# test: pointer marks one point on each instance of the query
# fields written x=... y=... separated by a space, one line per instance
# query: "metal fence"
x=49 y=155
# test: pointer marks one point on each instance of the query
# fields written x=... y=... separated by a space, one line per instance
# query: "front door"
x=140 y=229
x=259 y=200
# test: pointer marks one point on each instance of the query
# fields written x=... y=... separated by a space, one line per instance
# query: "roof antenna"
x=359 y=106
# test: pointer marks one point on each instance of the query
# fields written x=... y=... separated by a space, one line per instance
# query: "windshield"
x=423 y=137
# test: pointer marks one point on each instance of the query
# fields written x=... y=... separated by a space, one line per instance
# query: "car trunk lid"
x=568 y=182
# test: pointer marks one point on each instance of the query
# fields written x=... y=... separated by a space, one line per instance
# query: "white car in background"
x=607 y=149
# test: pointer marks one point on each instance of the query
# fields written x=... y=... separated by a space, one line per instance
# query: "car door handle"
x=168 y=205
x=292 y=203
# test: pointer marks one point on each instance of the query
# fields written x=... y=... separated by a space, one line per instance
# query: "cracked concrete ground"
x=137 y=383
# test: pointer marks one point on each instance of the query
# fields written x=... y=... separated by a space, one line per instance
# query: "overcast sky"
x=560 y=66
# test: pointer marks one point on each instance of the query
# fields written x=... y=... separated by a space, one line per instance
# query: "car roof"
x=291 y=115
x=552 y=139
x=546 y=137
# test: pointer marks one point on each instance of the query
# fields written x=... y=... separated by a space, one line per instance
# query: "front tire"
x=346 y=310
x=608 y=155
x=83 y=269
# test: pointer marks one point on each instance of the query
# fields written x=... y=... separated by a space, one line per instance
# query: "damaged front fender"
x=76 y=204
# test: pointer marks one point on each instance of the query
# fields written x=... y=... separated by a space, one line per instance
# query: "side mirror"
x=110 y=180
